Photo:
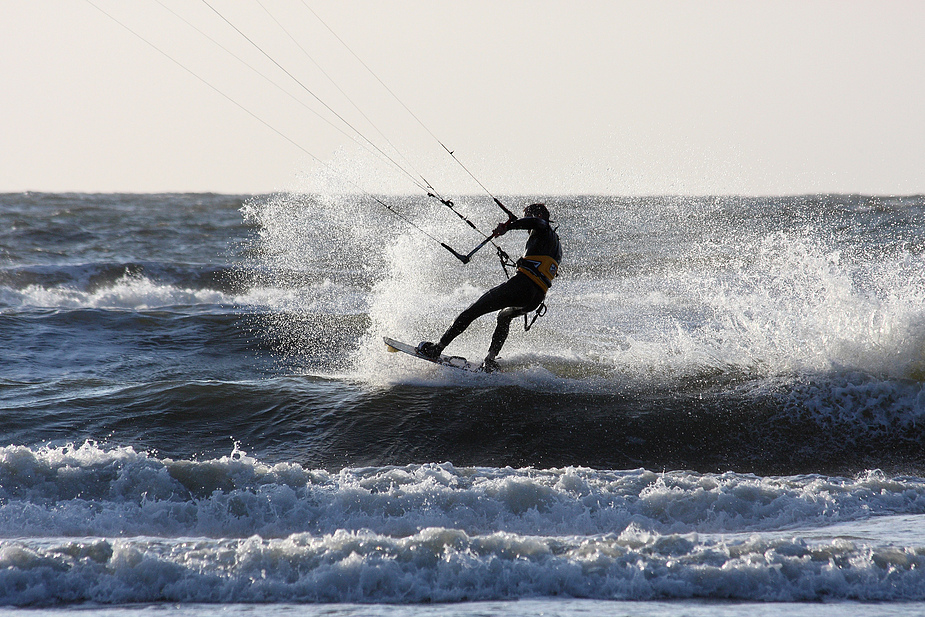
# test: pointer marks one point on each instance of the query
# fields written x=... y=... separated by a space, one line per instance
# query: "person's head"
x=537 y=210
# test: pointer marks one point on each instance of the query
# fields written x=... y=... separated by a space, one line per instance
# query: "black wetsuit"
x=520 y=294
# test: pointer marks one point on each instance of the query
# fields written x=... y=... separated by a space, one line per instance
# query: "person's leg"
x=504 y=295
x=531 y=297
x=492 y=300
x=517 y=296
x=503 y=329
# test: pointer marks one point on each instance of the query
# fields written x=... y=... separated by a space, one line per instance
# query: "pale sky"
x=539 y=97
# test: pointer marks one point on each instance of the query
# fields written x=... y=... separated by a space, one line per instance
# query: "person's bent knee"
x=508 y=315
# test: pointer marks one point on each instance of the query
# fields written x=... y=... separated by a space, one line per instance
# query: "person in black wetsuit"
x=517 y=296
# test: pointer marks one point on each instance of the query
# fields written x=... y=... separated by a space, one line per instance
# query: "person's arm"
x=529 y=222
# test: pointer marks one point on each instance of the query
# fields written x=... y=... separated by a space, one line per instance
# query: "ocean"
x=718 y=415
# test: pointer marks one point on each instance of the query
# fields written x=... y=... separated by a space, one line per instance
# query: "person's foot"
x=490 y=365
x=429 y=350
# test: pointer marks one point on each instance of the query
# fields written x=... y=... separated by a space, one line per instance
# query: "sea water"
x=721 y=412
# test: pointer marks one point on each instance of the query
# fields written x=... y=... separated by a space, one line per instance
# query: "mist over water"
x=652 y=287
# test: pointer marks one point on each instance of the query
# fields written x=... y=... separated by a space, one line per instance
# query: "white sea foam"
x=449 y=565
x=141 y=293
x=112 y=525
x=89 y=490
x=129 y=292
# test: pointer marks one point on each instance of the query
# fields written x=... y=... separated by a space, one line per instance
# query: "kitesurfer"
x=517 y=296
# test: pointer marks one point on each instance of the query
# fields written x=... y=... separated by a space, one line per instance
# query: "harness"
x=546 y=269
x=540 y=269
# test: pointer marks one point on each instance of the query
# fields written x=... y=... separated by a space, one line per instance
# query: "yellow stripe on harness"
x=540 y=269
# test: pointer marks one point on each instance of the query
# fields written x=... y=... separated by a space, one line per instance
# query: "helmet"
x=537 y=210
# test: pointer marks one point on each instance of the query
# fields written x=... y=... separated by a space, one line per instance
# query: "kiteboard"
x=457 y=362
